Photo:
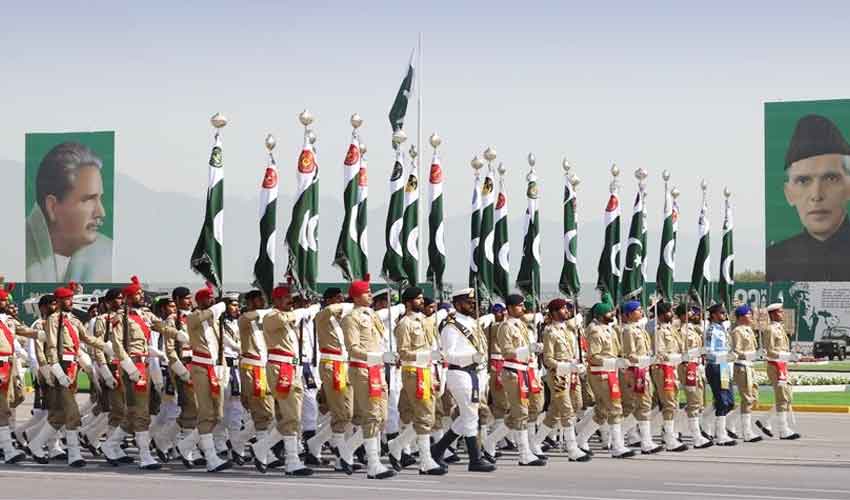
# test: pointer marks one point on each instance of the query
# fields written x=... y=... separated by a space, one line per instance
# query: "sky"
x=660 y=85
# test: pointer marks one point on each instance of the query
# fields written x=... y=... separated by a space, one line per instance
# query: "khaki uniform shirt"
x=513 y=334
x=51 y=353
x=364 y=332
x=136 y=343
x=743 y=341
x=410 y=337
x=602 y=343
x=636 y=343
x=668 y=340
x=776 y=340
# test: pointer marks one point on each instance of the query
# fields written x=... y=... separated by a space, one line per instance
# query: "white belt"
x=281 y=359
x=334 y=357
x=69 y=357
x=251 y=361
x=496 y=356
x=743 y=362
x=516 y=366
x=4 y=359
x=202 y=361
x=186 y=353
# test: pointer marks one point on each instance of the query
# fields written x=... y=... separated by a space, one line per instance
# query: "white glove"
x=46 y=375
x=59 y=374
x=536 y=347
x=644 y=361
x=749 y=356
x=182 y=337
x=622 y=363
x=784 y=356
x=478 y=358
x=580 y=369
x=374 y=358
x=795 y=356
x=563 y=369
x=522 y=353
x=108 y=350
x=42 y=335
x=436 y=356
x=674 y=358
x=609 y=364
x=223 y=375
x=180 y=370
x=131 y=370
x=720 y=357
x=85 y=361
x=390 y=357
x=692 y=355
x=760 y=354
x=155 y=375
x=579 y=319
x=423 y=357
x=105 y=374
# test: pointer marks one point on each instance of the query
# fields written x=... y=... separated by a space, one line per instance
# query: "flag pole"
x=421 y=213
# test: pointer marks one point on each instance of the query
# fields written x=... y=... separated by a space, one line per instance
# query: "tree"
x=750 y=276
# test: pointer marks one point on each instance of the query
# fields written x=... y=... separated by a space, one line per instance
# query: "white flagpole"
x=422 y=210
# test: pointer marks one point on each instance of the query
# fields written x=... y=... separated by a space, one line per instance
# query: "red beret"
x=133 y=288
x=556 y=304
x=4 y=295
x=358 y=288
x=63 y=293
x=204 y=293
x=280 y=292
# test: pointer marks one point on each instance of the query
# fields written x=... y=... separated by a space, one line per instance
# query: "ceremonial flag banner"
x=351 y=253
x=485 y=240
x=501 y=246
x=264 y=266
x=609 y=261
x=410 y=227
x=391 y=268
x=302 y=237
x=475 y=231
x=633 y=265
x=569 y=283
x=206 y=258
x=727 y=259
x=528 y=280
x=399 y=107
x=436 y=228
x=667 y=262
x=701 y=275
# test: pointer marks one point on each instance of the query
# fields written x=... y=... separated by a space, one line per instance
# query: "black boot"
x=476 y=464
x=439 y=449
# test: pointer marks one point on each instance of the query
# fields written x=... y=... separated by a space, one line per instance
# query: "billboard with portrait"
x=69 y=186
x=807 y=190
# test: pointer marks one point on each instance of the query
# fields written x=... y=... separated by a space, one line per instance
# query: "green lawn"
x=82 y=382
x=832 y=366
x=800 y=398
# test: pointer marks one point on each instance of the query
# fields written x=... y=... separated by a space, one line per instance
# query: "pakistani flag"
x=609 y=261
x=264 y=266
x=633 y=266
x=474 y=232
x=528 y=279
x=485 y=241
x=667 y=261
x=206 y=258
x=501 y=247
x=436 y=229
x=302 y=237
x=701 y=276
x=399 y=108
x=351 y=257
x=569 y=282
x=727 y=259
x=410 y=227
x=391 y=268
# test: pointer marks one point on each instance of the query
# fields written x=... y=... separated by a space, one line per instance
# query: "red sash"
x=75 y=339
x=141 y=385
x=574 y=380
x=5 y=377
x=339 y=377
x=376 y=384
x=285 y=375
x=669 y=373
x=691 y=374
x=496 y=365
x=215 y=386
x=71 y=372
x=258 y=388
x=533 y=381
x=781 y=371
x=139 y=321
x=522 y=383
x=640 y=378
x=6 y=369
x=614 y=386
x=10 y=338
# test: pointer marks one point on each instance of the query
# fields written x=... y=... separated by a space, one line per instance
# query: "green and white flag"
x=528 y=280
x=727 y=259
x=436 y=229
x=474 y=232
x=402 y=97
x=206 y=257
x=410 y=227
x=633 y=266
x=351 y=248
x=302 y=237
x=391 y=267
x=609 y=261
x=667 y=260
x=569 y=283
x=701 y=275
x=485 y=240
x=501 y=246
x=264 y=266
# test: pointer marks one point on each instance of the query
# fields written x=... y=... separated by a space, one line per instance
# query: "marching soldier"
x=690 y=373
x=560 y=356
x=164 y=426
x=179 y=352
x=498 y=401
x=778 y=352
x=416 y=402
x=226 y=431
x=364 y=333
x=668 y=352
x=110 y=391
x=280 y=330
x=38 y=370
x=637 y=396
x=743 y=351
x=518 y=377
x=603 y=357
x=465 y=349
x=719 y=373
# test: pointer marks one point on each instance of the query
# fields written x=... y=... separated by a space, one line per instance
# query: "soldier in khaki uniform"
x=38 y=371
x=603 y=358
x=560 y=356
x=208 y=376
x=690 y=372
x=179 y=352
x=498 y=400
x=130 y=337
x=364 y=332
x=743 y=351
x=637 y=386
x=283 y=371
x=668 y=353
x=778 y=353
x=64 y=334
x=518 y=347
x=416 y=402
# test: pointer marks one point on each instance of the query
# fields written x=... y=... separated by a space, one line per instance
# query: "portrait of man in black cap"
x=817 y=185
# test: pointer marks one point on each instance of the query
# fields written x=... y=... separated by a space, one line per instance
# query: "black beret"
x=663 y=307
x=514 y=299
x=331 y=292
x=112 y=294
x=815 y=136
x=715 y=308
x=180 y=292
x=411 y=293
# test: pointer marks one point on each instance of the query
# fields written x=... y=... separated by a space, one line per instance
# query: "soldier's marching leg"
x=188 y=436
x=210 y=411
x=666 y=391
x=782 y=393
x=368 y=415
x=138 y=412
x=11 y=454
x=517 y=419
x=748 y=390
x=338 y=396
x=608 y=409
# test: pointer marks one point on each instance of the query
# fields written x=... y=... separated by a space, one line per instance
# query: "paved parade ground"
x=815 y=467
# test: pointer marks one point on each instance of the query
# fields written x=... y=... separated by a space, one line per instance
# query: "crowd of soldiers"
x=217 y=382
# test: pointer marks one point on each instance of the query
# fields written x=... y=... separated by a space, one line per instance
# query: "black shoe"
x=628 y=454
x=41 y=460
x=481 y=466
x=652 y=451
x=681 y=447
x=407 y=460
x=548 y=444
x=260 y=466
x=360 y=454
x=791 y=437
x=62 y=457
x=310 y=459
x=160 y=455
x=302 y=472
x=385 y=445
x=541 y=456
x=587 y=452
x=438 y=450
x=509 y=445
x=436 y=471
x=395 y=463
x=488 y=457
x=77 y=464
x=224 y=466
x=186 y=462
x=91 y=449
x=706 y=435
x=767 y=432
x=733 y=435
x=383 y=475
x=199 y=462
x=237 y=459
x=453 y=458
x=583 y=458
x=498 y=454
x=278 y=450
x=277 y=464
x=17 y=458
x=344 y=467
x=731 y=442
x=476 y=464
x=708 y=444
x=151 y=467
x=126 y=459
x=533 y=463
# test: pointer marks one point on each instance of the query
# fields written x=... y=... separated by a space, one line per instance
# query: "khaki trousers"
x=606 y=409
x=339 y=402
x=210 y=406
x=287 y=406
x=369 y=413
x=419 y=412
x=260 y=407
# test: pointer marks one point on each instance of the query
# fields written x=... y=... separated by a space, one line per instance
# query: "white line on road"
x=751 y=487
x=719 y=495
